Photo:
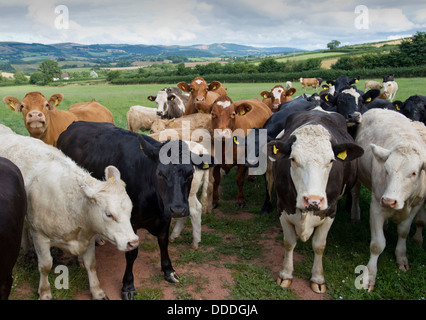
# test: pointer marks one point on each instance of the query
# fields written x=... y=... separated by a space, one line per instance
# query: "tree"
x=333 y=44
x=37 y=78
x=50 y=70
x=415 y=48
x=20 y=78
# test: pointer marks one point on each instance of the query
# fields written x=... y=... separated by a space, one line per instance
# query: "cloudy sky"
x=291 y=23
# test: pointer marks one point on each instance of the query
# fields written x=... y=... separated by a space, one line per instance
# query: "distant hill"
x=17 y=52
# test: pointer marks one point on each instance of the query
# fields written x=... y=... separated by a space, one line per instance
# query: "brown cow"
x=45 y=122
x=202 y=95
x=309 y=82
x=276 y=96
x=227 y=117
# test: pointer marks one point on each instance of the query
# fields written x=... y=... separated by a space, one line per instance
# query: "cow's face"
x=413 y=108
x=405 y=173
x=311 y=156
x=111 y=209
x=278 y=95
x=35 y=109
x=198 y=89
x=161 y=100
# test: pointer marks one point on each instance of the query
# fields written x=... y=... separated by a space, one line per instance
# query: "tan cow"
x=309 y=82
x=44 y=121
x=202 y=95
x=276 y=96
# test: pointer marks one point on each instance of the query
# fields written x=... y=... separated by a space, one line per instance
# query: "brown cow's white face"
x=35 y=109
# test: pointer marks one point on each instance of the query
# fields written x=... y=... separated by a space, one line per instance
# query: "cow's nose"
x=199 y=99
x=388 y=202
x=35 y=114
x=178 y=211
x=313 y=202
x=159 y=113
x=355 y=116
x=132 y=244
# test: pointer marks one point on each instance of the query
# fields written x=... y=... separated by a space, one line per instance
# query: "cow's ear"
x=265 y=94
x=152 y=98
x=214 y=85
x=370 y=95
x=150 y=147
x=183 y=86
x=347 y=151
x=329 y=98
x=380 y=153
x=55 y=100
x=171 y=97
x=280 y=149
x=243 y=109
x=290 y=92
x=13 y=103
x=207 y=161
x=331 y=82
x=112 y=174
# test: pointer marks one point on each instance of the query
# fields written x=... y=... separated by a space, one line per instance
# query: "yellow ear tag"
x=111 y=179
x=214 y=88
x=140 y=146
x=171 y=123
x=243 y=112
x=265 y=96
x=56 y=102
x=368 y=100
x=172 y=98
x=201 y=111
x=356 y=81
x=275 y=149
x=291 y=93
x=342 y=155
x=397 y=107
x=326 y=98
x=236 y=140
x=12 y=105
x=206 y=165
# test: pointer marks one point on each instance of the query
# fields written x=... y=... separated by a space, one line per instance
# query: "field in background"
x=239 y=244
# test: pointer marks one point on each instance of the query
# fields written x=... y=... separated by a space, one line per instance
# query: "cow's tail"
x=204 y=192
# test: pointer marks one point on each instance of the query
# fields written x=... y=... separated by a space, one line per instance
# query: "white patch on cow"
x=161 y=101
x=224 y=104
x=353 y=93
x=199 y=81
x=311 y=154
x=277 y=93
x=322 y=110
x=280 y=135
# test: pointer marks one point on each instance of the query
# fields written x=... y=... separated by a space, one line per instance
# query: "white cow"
x=67 y=207
x=390 y=88
x=393 y=168
x=141 y=118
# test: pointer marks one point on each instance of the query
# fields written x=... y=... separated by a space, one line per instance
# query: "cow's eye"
x=47 y=105
x=109 y=215
x=331 y=161
x=293 y=160
x=214 y=116
x=413 y=174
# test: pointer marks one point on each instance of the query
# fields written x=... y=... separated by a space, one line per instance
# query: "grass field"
x=347 y=244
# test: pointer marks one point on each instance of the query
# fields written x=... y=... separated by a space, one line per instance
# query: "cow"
x=393 y=168
x=158 y=178
x=413 y=108
x=378 y=103
x=68 y=208
x=201 y=94
x=288 y=85
x=13 y=207
x=390 y=88
x=276 y=96
x=309 y=82
x=342 y=82
x=388 y=78
x=315 y=164
x=170 y=102
x=371 y=84
x=227 y=118
x=195 y=121
x=141 y=118
x=44 y=121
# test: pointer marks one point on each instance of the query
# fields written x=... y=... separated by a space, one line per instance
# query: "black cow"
x=413 y=108
x=13 y=206
x=158 y=189
x=313 y=168
x=388 y=78
x=342 y=82
x=379 y=104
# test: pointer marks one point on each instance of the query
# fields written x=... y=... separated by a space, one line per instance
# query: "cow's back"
x=91 y=111
x=255 y=118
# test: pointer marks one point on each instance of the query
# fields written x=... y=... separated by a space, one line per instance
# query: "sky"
x=308 y=25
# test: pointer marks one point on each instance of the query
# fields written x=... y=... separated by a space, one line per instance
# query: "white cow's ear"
x=87 y=190
x=112 y=174
x=381 y=154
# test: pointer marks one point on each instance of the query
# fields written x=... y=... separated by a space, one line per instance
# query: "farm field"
x=241 y=252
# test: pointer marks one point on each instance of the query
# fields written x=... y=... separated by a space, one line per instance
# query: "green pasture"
x=231 y=239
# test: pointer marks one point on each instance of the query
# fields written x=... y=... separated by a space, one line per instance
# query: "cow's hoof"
x=172 y=277
x=284 y=283
x=128 y=295
x=318 y=287
x=370 y=288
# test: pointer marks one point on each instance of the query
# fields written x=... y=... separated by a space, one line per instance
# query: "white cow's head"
x=405 y=173
x=110 y=209
x=161 y=100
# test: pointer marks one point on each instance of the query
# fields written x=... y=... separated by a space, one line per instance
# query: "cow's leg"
x=216 y=177
x=179 y=225
x=45 y=261
x=401 y=246
x=128 y=289
x=318 y=245
x=378 y=240
x=90 y=265
x=420 y=223
x=269 y=184
x=290 y=239
x=355 y=209
x=241 y=172
x=5 y=287
x=195 y=215
x=166 y=265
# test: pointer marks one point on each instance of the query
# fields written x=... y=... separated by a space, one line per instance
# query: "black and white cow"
x=170 y=102
x=158 y=189
x=13 y=207
x=314 y=166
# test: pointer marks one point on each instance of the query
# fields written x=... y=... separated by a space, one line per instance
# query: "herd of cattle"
x=93 y=181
